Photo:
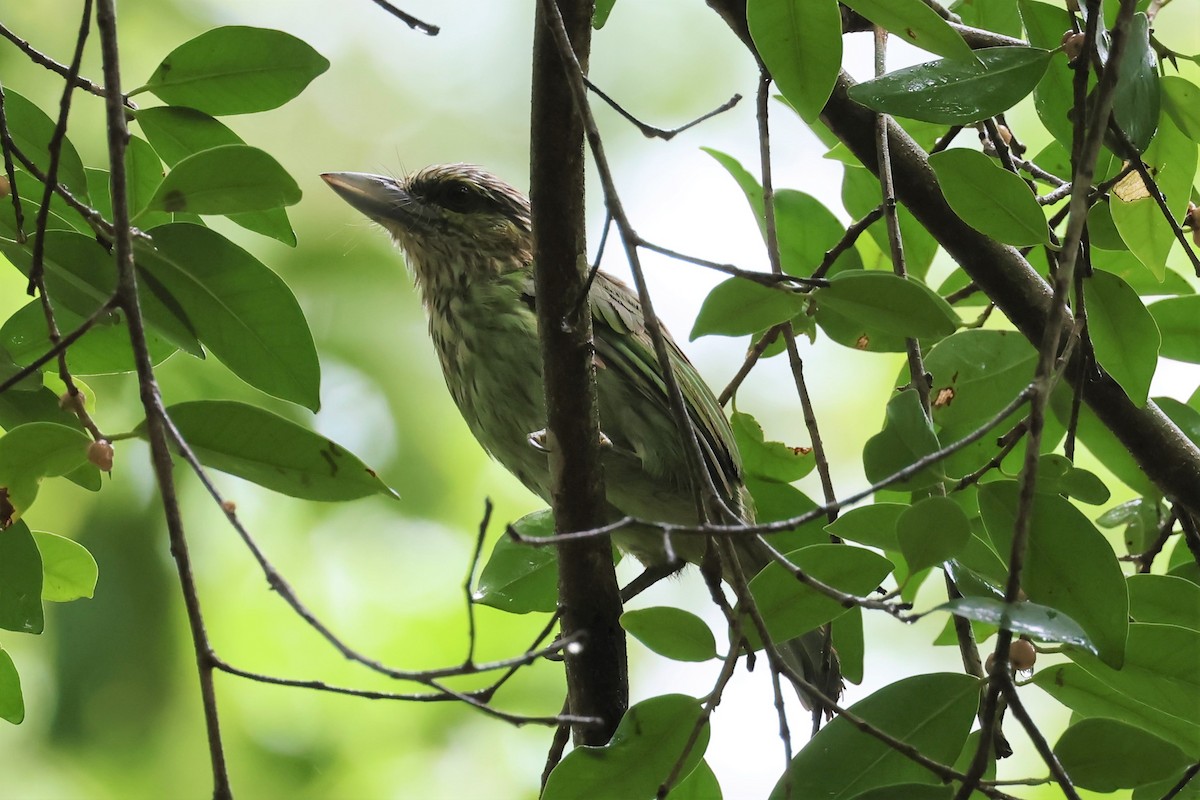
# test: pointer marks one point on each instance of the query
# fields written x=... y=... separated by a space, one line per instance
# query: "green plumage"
x=469 y=244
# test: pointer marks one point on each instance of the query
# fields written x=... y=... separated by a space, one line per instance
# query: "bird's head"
x=456 y=222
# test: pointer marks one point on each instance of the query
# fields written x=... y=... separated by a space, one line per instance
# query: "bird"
x=468 y=241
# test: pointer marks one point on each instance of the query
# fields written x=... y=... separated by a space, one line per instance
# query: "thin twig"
x=73 y=79
x=651 y=132
x=60 y=346
x=1035 y=735
x=408 y=19
x=127 y=294
x=752 y=356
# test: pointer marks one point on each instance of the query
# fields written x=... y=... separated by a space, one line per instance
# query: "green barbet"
x=469 y=244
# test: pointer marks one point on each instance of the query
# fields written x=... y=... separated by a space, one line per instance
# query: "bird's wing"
x=622 y=343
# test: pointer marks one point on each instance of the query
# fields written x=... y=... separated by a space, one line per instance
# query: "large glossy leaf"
x=957 y=92
x=1025 y=618
x=989 y=198
x=873 y=525
x=649 y=740
x=903 y=307
x=737 y=307
x=932 y=713
x=241 y=310
x=772 y=461
x=271 y=451
x=931 y=531
x=906 y=438
x=80 y=276
x=177 y=132
x=789 y=608
x=671 y=632
x=31 y=130
x=916 y=23
x=236 y=70
x=861 y=193
x=1157 y=689
x=1178 y=320
x=37 y=450
x=800 y=41
x=227 y=179
x=1069 y=565
x=69 y=571
x=1104 y=755
x=1124 y=333
x=1136 y=99
x=20 y=581
x=103 y=350
x=1164 y=599
x=1181 y=101
x=12 y=702
x=519 y=578
x=1053 y=96
x=1172 y=160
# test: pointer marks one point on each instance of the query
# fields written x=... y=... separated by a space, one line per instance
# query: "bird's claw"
x=538 y=440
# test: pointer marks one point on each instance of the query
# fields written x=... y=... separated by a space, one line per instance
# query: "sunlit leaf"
x=917 y=24
x=519 y=578
x=236 y=70
x=227 y=179
x=800 y=41
x=20 y=581
x=69 y=571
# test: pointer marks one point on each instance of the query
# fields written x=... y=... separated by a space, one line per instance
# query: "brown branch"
x=589 y=598
x=127 y=296
x=651 y=132
x=408 y=19
x=72 y=78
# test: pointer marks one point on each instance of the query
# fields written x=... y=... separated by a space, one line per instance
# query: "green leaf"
x=906 y=437
x=1069 y=565
x=227 y=179
x=236 y=70
x=900 y=306
x=31 y=130
x=772 y=461
x=700 y=785
x=931 y=713
x=994 y=15
x=989 y=198
x=671 y=632
x=931 y=531
x=861 y=192
x=1181 y=101
x=1030 y=619
x=600 y=14
x=37 y=450
x=737 y=307
x=68 y=570
x=1178 y=320
x=20 y=580
x=1136 y=100
x=273 y=452
x=242 y=311
x=1054 y=95
x=1164 y=599
x=520 y=578
x=1090 y=697
x=12 y=704
x=775 y=501
x=1123 y=332
x=800 y=41
x=144 y=173
x=873 y=525
x=976 y=373
x=789 y=608
x=1104 y=755
x=178 y=132
x=917 y=24
x=1140 y=516
x=846 y=633
x=957 y=92
x=103 y=350
x=806 y=231
x=79 y=275
x=649 y=740
x=1057 y=475
x=1171 y=158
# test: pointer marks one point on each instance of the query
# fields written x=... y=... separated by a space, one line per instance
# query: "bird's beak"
x=376 y=196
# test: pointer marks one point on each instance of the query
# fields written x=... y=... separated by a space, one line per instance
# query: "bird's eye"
x=458 y=197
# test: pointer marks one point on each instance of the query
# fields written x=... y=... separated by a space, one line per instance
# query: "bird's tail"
x=811 y=654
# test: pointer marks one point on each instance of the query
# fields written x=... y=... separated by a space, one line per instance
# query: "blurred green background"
x=112 y=705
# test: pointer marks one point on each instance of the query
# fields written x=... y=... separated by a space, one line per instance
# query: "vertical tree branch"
x=156 y=422
x=597 y=679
